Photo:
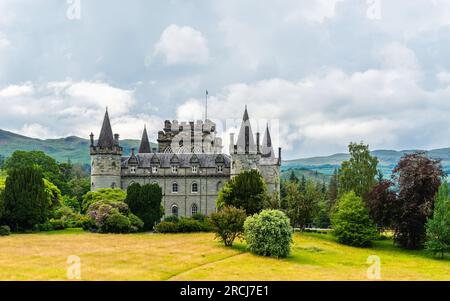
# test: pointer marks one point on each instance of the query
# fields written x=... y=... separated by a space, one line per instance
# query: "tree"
x=359 y=172
x=333 y=188
x=26 y=202
x=145 y=203
x=351 y=222
x=381 y=202
x=103 y=194
x=293 y=177
x=228 y=224
x=49 y=167
x=302 y=206
x=438 y=227
x=418 y=179
x=247 y=190
x=302 y=185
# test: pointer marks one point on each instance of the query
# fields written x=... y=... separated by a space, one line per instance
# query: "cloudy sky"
x=323 y=72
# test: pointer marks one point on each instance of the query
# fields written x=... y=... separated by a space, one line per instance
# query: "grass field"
x=199 y=257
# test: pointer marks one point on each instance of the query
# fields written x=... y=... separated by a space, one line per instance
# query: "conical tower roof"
x=106 y=138
x=267 y=148
x=246 y=142
x=145 y=148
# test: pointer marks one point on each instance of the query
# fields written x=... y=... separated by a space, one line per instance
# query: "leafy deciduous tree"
x=418 y=178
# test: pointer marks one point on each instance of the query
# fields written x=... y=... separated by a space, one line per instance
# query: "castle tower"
x=105 y=158
x=244 y=154
x=247 y=155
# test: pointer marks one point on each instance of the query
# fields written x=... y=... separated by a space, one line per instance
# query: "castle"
x=188 y=163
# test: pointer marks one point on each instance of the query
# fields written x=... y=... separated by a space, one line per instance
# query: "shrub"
x=5 y=231
x=183 y=225
x=116 y=223
x=228 y=224
x=167 y=227
x=199 y=217
x=102 y=195
x=111 y=217
x=268 y=233
x=351 y=222
x=171 y=218
x=137 y=225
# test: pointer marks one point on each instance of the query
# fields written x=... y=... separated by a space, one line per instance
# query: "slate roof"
x=106 y=138
x=144 y=148
x=182 y=160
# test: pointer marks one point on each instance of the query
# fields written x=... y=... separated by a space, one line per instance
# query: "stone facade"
x=188 y=165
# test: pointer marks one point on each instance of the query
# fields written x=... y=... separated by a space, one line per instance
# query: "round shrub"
x=5 y=231
x=167 y=227
x=268 y=233
x=117 y=223
x=137 y=225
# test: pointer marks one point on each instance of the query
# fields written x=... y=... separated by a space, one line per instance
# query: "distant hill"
x=388 y=159
x=74 y=148
x=319 y=168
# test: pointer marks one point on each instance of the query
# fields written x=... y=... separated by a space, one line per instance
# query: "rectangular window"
x=220 y=168
x=194 y=169
x=174 y=169
x=154 y=169
x=132 y=169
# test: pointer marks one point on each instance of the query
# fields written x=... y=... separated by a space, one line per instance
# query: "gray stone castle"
x=188 y=163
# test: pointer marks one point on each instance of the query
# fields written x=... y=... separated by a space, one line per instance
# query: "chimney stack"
x=257 y=144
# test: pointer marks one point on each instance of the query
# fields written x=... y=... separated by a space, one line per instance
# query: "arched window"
x=174 y=210
x=194 y=209
x=194 y=187
x=174 y=187
x=113 y=185
x=219 y=186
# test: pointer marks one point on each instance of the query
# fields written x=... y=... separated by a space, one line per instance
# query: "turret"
x=144 y=148
x=105 y=158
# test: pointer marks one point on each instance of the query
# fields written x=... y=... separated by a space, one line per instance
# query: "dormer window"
x=174 y=168
x=220 y=168
x=132 y=169
x=194 y=168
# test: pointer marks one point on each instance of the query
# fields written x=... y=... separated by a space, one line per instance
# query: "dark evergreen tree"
x=145 y=202
x=302 y=185
x=333 y=188
x=25 y=200
x=293 y=177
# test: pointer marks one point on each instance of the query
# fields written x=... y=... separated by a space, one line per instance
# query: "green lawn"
x=199 y=257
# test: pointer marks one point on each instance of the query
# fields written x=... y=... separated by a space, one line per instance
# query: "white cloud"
x=444 y=77
x=182 y=45
x=64 y=108
x=4 y=41
x=17 y=90
x=321 y=114
x=36 y=130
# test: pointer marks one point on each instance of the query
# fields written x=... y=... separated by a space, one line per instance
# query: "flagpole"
x=206 y=106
